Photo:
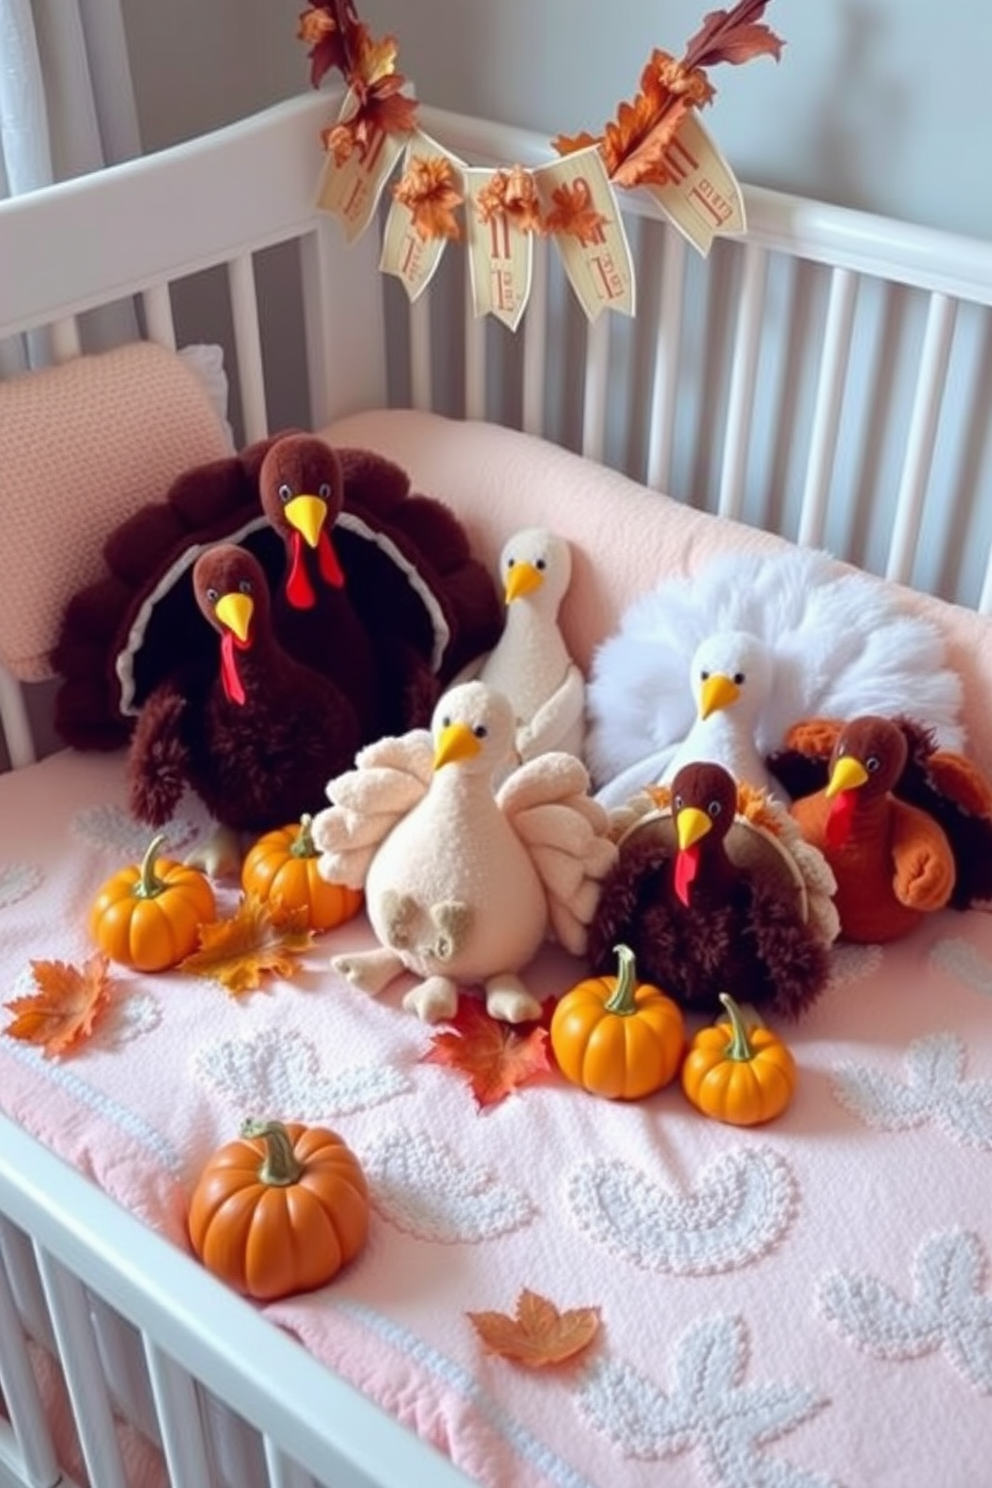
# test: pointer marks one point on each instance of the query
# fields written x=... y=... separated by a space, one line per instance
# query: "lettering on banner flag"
x=351 y=189
x=703 y=198
x=500 y=250
x=580 y=209
x=411 y=250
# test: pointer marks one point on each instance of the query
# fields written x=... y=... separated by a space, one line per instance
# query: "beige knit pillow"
x=82 y=446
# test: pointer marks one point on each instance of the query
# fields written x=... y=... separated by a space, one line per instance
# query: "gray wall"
x=882 y=104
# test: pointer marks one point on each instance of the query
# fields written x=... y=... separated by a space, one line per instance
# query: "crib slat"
x=14 y=721
x=66 y=343
x=421 y=390
x=743 y=376
x=282 y=1473
x=985 y=599
x=178 y=1419
x=475 y=357
x=596 y=385
x=934 y=359
x=665 y=381
x=534 y=332
x=248 y=346
x=157 y=305
x=20 y=1391
x=837 y=330
x=81 y=1366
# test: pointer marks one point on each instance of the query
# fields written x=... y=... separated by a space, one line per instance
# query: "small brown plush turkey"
x=906 y=827
x=258 y=741
x=715 y=891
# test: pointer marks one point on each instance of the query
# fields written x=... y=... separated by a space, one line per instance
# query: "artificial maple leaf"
x=375 y=62
x=256 y=939
x=66 y=1007
x=538 y=1334
x=427 y=188
x=574 y=213
x=496 y=1056
x=327 y=28
x=733 y=36
x=513 y=194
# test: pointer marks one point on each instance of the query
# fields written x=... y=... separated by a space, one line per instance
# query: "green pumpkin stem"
x=621 y=999
x=740 y=1046
x=148 y=885
x=303 y=841
x=280 y=1167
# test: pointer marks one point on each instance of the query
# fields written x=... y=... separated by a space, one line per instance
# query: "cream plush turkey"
x=464 y=883
x=825 y=641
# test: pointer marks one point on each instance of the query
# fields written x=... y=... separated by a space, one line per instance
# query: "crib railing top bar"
x=208 y=1330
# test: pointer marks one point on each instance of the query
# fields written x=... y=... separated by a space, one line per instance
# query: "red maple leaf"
x=496 y=1056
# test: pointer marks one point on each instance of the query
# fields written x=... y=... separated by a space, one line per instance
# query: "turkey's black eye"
x=714 y=809
x=739 y=679
x=324 y=490
x=541 y=565
x=510 y=562
x=872 y=763
x=285 y=492
x=213 y=595
x=705 y=676
x=244 y=586
x=480 y=731
x=678 y=803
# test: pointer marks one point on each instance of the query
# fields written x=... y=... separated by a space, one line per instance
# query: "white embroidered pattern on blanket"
x=934 y=1090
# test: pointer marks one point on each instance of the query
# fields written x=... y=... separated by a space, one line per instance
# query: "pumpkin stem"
x=302 y=846
x=280 y=1167
x=740 y=1046
x=148 y=884
x=621 y=999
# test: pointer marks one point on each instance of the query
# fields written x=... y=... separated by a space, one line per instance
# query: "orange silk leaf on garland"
x=66 y=1008
x=497 y=1057
x=574 y=213
x=538 y=1334
x=427 y=188
x=258 y=939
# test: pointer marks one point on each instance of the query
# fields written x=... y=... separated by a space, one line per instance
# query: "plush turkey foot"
x=433 y=1000
x=369 y=971
x=453 y=921
x=399 y=917
x=508 y=1000
x=220 y=855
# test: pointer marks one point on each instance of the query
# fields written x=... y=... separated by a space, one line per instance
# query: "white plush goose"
x=530 y=663
x=462 y=884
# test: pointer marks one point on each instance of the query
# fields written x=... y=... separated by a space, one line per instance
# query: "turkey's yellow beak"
x=456 y=742
x=717 y=692
x=690 y=825
x=307 y=514
x=522 y=578
x=235 y=611
x=847 y=774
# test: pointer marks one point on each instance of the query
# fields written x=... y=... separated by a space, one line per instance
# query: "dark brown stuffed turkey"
x=414 y=606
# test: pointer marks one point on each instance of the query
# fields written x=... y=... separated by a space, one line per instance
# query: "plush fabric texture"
x=625 y=538
x=82 y=446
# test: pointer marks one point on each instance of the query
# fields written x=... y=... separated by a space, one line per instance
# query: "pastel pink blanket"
x=805 y=1305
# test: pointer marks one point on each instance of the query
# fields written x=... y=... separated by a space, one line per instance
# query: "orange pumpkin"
x=618 y=1038
x=739 y=1075
x=148 y=915
x=282 y=865
x=279 y=1210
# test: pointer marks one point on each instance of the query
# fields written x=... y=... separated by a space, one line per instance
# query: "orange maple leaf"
x=574 y=213
x=66 y=1007
x=733 y=36
x=258 y=938
x=496 y=1056
x=538 y=1334
x=427 y=187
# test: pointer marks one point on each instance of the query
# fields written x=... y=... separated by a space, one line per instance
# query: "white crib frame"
x=67 y=1253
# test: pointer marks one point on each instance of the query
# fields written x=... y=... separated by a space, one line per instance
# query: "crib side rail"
x=195 y=1332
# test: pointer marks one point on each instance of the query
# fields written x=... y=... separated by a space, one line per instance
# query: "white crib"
x=825 y=378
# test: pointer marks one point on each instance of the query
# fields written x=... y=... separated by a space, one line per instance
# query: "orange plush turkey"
x=893 y=861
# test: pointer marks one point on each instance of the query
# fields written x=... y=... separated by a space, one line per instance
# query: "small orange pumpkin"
x=148 y=915
x=739 y=1075
x=282 y=865
x=618 y=1038
x=280 y=1210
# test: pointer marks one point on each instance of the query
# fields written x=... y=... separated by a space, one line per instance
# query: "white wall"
x=882 y=104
